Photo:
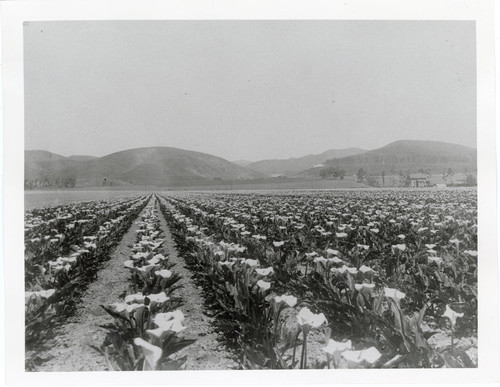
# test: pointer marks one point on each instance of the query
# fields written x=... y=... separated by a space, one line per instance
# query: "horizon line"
x=292 y=157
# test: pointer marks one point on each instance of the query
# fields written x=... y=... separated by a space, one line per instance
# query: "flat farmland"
x=365 y=278
x=40 y=199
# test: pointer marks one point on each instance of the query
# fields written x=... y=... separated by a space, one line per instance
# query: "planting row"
x=386 y=271
x=56 y=273
x=54 y=231
x=147 y=321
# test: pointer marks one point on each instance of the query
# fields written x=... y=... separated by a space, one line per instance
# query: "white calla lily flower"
x=291 y=301
x=129 y=263
x=370 y=356
x=158 y=297
x=137 y=297
x=265 y=272
x=452 y=316
x=152 y=353
x=165 y=273
x=358 y=287
x=395 y=294
x=336 y=346
x=307 y=318
x=263 y=285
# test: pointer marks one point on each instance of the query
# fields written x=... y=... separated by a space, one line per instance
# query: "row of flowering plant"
x=241 y=289
x=52 y=231
x=145 y=334
x=341 y=258
x=56 y=284
x=244 y=290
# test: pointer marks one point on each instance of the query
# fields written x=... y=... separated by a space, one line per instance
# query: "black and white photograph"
x=253 y=194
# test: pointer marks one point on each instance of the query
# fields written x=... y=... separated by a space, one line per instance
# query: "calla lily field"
x=292 y=280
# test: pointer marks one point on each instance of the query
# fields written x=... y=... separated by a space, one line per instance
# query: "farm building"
x=419 y=180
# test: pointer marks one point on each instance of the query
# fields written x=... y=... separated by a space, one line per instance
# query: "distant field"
x=45 y=198
x=39 y=199
x=269 y=184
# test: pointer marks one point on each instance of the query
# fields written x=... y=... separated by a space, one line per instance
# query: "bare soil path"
x=71 y=348
x=208 y=352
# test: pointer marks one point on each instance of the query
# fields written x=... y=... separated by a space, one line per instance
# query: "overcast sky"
x=247 y=89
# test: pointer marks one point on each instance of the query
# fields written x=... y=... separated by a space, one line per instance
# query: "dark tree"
x=361 y=174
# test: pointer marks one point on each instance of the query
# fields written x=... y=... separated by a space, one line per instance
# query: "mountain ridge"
x=295 y=165
x=170 y=166
x=161 y=166
x=410 y=155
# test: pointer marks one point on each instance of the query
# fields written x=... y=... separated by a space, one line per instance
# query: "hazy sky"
x=247 y=89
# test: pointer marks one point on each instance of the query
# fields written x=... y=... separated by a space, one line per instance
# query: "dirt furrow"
x=208 y=352
x=71 y=348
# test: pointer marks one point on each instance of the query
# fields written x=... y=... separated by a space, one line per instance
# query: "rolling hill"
x=242 y=163
x=161 y=166
x=167 y=166
x=39 y=164
x=81 y=157
x=409 y=156
x=293 y=166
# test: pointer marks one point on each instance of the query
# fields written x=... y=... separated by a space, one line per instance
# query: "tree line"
x=399 y=178
x=63 y=182
x=332 y=172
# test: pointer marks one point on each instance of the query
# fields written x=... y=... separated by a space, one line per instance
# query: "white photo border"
x=14 y=13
